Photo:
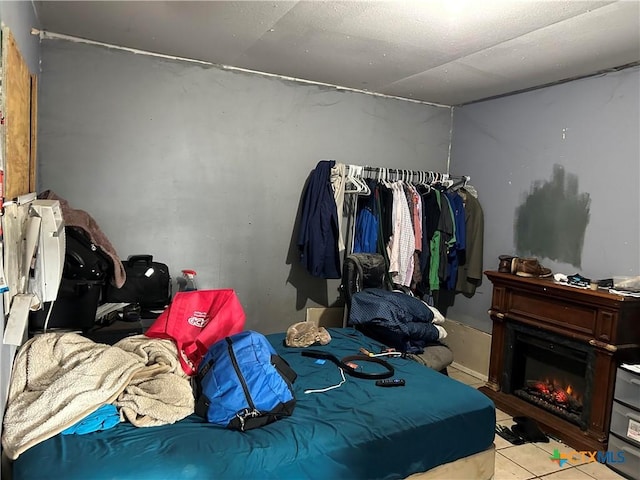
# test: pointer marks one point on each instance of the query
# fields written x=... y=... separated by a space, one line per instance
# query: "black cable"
x=343 y=363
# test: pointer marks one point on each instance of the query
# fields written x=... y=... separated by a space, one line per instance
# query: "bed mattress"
x=355 y=431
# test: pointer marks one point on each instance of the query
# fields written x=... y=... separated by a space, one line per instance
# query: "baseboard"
x=468 y=371
x=471 y=348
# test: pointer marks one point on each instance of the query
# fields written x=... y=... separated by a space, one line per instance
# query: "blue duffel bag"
x=242 y=383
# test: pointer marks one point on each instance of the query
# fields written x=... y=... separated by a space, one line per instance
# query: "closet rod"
x=460 y=180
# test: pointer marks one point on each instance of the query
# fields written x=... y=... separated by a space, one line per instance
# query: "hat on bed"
x=303 y=334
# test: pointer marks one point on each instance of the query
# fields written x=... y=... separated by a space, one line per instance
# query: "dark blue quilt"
x=356 y=431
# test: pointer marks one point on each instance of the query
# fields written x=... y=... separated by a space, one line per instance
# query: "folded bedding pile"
x=397 y=319
x=59 y=379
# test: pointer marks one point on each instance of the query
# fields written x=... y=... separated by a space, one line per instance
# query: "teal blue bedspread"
x=357 y=431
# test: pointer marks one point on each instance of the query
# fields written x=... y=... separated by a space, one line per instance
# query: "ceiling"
x=446 y=52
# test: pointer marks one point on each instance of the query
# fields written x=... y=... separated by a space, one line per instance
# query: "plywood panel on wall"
x=17 y=93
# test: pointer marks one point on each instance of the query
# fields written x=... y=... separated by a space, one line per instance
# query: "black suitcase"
x=148 y=284
x=84 y=275
x=74 y=309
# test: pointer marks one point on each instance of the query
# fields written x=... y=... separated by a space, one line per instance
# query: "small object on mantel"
x=605 y=283
x=624 y=293
x=505 y=263
x=628 y=284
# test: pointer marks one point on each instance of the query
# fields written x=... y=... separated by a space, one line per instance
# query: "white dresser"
x=624 y=430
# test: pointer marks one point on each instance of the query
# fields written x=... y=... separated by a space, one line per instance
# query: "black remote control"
x=390 y=382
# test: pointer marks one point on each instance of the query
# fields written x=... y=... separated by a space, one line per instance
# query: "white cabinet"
x=624 y=433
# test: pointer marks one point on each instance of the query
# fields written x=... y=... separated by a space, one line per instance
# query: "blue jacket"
x=366 y=231
x=456 y=256
x=318 y=235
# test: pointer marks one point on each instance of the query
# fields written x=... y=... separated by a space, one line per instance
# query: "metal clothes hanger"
x=364 y=188
x=355 y=183
x=383 y=177
x=351 y=185
x=424 y=182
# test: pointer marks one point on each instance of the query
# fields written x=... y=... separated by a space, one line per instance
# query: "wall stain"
x=552 y=219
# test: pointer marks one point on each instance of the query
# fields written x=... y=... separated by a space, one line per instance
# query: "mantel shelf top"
x=549 y=282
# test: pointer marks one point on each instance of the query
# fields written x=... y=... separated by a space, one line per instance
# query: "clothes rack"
x=391 y=174
x=355 y=174
x=408 y=175
x=321 y=235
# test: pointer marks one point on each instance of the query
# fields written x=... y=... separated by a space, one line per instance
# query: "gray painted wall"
x=20 y=18
x=204 y=168
x=590 y=128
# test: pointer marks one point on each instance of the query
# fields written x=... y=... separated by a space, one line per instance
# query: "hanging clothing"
x=318 y=234
x=420 y=229
x=415 y=207
x=385 y=218
x=417 y=227
x=456 y=256
x=447 y=230
x=366 y=227
x=402 y=241
x=430 y=216
x=338 y=172
x=435 y=246
x=470 y=274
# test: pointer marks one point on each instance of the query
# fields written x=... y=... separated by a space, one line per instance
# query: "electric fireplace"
x=554 y=354
x=552 y=372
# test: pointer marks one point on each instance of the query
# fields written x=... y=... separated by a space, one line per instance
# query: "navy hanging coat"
x=318 y=235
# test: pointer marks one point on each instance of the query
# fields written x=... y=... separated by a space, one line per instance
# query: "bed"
x=434 y=427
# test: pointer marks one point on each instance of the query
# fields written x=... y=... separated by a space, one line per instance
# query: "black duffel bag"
x=148 y=284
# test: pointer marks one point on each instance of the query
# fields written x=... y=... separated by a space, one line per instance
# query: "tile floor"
x=532 y=460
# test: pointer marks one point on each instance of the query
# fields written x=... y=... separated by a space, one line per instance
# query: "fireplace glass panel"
x=550 y=375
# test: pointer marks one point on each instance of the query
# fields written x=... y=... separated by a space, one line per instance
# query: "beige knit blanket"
x=160 y=393
x=58 y=379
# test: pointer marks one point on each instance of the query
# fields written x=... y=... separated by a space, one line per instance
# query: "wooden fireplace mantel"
x=607 y=323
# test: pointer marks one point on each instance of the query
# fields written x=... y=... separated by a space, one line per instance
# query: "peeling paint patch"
x=552 y=219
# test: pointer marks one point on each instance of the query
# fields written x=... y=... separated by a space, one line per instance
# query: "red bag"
x=196 y=320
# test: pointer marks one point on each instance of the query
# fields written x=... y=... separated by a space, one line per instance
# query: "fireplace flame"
x=555 y=391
